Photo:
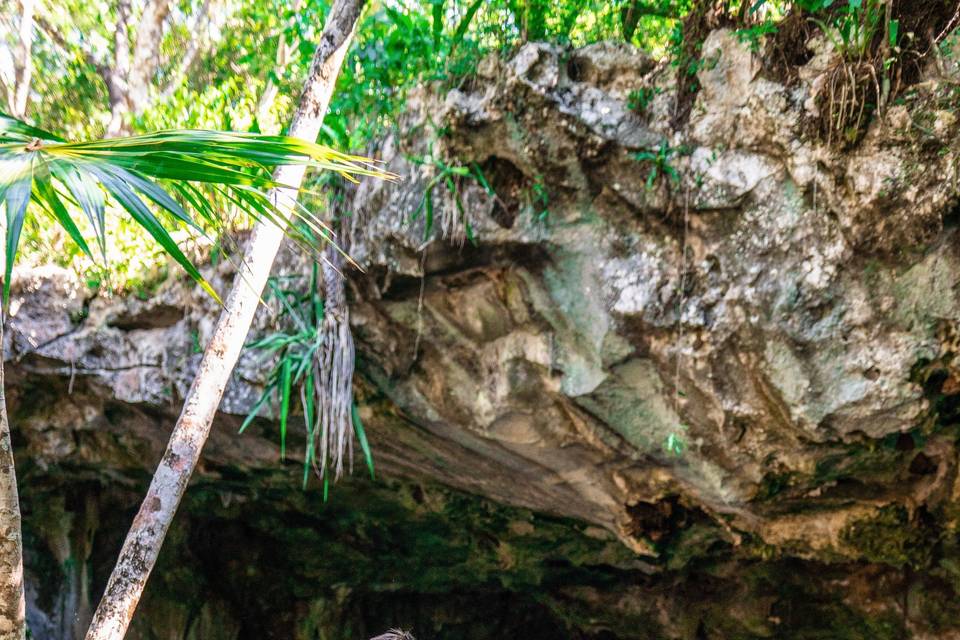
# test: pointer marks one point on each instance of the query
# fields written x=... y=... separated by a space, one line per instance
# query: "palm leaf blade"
x=16 y=197
x=49 y=195
x=146 y=171
x=285 y=387
x=145 y=218
x=88 y=195
x=362 y=438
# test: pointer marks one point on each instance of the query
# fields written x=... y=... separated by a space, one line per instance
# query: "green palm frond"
x=147 y=173
x=296 y=350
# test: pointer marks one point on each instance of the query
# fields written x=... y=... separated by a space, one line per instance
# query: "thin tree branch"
x=117 y=77
x=146 y=52
x=198 y=43
x=121 y=38
x=8 y=72
x=25 y=59
x=54 y=37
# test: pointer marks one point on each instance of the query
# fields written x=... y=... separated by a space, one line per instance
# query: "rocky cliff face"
x=686 y=383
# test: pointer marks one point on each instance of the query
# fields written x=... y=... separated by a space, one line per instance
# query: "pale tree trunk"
x=12 y=603
x=146 y=53
x=140 y=550
x=24 y=59
x=128 y=80
x=116 y=76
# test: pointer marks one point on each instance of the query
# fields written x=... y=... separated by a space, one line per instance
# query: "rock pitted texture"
x=729 y=346
x=571 y=349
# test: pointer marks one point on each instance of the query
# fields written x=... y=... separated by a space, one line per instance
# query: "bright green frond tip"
x=163 y=171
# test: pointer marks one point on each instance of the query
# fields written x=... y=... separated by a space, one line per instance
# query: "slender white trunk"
x=140 y=550
x=25 y=59
x=12 y=604
x=116 y=76
x=146 y=53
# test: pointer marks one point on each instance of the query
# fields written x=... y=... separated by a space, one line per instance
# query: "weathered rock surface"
x=740 y=368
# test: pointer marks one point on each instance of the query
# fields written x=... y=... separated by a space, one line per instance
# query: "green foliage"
x=639 y=99
x=659 y=161
x=852 y=28
x=400 y=46
x=450 y=176
x=403 y=45
x=294 y=375
x=753 y=35
x=539 y=200
x=813 y=6
x=650 y=23
x=675 y=443
x=42 y=168
x=889 y=537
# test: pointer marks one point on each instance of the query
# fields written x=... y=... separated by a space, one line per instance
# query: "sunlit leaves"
x=401 y=44
x=16 y=195
x=37 y=165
